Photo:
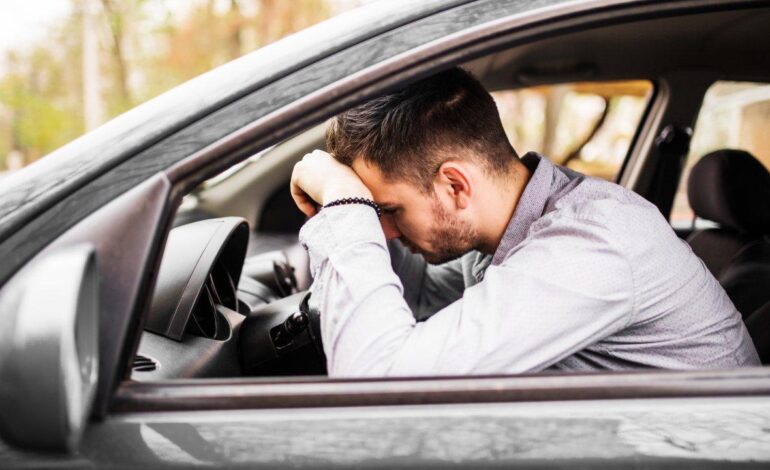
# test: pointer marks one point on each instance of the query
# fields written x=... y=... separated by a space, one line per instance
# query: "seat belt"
x=673 y=145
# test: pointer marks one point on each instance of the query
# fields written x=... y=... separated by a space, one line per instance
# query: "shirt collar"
x=530 y=206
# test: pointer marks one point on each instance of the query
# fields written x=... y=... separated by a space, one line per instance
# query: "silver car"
x=152 y=289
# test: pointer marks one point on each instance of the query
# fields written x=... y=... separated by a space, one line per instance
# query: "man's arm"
x=318 y=178
x=567 y=287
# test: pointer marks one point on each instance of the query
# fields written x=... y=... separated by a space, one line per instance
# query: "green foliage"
x=42 y=109
x=144 y=49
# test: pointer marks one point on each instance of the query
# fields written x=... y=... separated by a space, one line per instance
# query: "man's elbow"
x=379 y=359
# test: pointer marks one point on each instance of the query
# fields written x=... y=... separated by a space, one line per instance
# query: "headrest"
x=731 y=188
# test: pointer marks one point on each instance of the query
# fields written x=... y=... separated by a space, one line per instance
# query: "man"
x=534 y=266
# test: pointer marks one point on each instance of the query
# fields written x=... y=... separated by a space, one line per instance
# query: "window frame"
x=253 y=392
x=322 y=392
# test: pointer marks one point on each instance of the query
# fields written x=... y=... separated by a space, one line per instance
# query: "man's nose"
x=389 y=227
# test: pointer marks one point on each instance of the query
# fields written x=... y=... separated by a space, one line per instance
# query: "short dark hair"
x=411 y=132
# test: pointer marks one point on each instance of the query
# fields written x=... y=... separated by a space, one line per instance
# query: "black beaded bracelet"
x=355 y=200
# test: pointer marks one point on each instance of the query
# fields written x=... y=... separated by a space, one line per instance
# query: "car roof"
x=731 y=44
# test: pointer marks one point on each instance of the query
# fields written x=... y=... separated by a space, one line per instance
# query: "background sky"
x=25 y=21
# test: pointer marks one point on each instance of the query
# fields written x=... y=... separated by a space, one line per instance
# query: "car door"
x=126 y=209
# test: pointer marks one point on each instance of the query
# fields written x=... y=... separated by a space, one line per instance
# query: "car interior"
x=230 y=295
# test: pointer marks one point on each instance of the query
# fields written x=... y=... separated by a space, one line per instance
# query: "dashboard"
x=215 y=313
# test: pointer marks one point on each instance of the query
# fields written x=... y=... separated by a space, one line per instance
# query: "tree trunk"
x=116 y=19
x=235 y=39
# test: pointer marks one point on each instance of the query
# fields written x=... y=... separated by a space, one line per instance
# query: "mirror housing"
x=49 y=350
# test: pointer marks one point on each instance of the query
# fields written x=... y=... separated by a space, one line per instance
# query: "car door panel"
x=709 y=433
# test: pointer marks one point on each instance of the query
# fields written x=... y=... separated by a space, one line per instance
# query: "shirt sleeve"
x=566 y=287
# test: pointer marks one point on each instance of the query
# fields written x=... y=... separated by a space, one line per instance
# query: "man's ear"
x=455 y=181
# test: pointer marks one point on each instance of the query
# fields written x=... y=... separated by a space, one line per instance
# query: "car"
x=153 y=294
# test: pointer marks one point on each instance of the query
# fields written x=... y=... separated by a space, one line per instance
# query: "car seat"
x=732 y=188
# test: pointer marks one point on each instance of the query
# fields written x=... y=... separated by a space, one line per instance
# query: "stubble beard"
x=450 y=238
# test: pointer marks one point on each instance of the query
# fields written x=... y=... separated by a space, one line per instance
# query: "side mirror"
x=49 y=350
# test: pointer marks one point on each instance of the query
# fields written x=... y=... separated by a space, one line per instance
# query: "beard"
x=449 y=238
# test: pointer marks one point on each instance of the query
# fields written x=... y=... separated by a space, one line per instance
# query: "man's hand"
x=318 y=179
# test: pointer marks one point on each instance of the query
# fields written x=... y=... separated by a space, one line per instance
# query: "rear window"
x=585 y=126
x=733 y=115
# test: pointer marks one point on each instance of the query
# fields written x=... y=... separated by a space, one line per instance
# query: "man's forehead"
x=371 y=174
x=386 y=191
x=363 y=167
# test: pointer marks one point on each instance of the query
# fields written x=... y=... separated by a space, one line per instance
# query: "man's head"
x=429 y=153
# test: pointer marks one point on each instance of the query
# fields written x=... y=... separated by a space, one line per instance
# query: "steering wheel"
x=311 y=318
x=283 y=338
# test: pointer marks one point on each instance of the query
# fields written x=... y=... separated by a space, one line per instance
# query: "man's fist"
x=318 y=179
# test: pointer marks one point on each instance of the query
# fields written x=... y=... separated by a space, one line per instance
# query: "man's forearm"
x=364 y=317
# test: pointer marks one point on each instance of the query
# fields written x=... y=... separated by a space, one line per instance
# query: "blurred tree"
x=119 y=15
x=215 y=32
x=41 y=92
x=136 y=49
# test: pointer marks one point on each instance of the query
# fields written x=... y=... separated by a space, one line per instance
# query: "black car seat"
x=732 y=188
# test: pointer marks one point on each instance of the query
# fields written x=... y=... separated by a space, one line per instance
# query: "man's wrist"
x=343 y=193
x=355 y=200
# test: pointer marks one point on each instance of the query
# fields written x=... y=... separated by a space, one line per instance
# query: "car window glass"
x=586 y=126
x=733 y=115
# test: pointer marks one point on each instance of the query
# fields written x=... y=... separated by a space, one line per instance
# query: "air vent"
x=144 y=364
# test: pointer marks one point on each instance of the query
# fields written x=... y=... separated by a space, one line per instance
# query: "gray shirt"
x=588 y=276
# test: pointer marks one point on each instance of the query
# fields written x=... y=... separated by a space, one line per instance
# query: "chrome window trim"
x=281 y=392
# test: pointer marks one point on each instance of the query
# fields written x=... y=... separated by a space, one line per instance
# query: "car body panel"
x=703 y=433
x=126 y=241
